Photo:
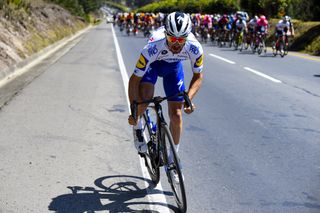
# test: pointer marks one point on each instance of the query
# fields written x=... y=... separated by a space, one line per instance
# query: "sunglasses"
x=173 y=39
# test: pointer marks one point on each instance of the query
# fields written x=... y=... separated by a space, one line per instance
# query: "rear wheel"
x=173 y=167
x=151 y=158
x=281 y=49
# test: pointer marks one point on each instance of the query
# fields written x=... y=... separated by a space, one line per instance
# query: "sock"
x=177 y=147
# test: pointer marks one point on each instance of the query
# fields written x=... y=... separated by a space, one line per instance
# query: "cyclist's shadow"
x=116 y=196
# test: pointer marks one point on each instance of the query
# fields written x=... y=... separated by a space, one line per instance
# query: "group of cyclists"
x=135 y=22
x=230 y=30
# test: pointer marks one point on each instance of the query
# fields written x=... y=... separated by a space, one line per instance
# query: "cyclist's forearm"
x=195 y=84
x=133 y=88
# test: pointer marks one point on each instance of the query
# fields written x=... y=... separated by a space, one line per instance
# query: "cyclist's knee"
x=176 y=117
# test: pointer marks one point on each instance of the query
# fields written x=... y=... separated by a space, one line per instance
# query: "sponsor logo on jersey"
x=199 y=61
x=164 y=52
x=152 y=50
x=180 y=83
x=194 y=49
x=183 y=56
x=142 y=63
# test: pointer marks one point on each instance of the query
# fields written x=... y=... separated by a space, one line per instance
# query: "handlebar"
x=158 y=100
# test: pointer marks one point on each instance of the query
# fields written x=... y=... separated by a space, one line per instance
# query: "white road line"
x=223 y=59
x=263 y=75
x=153 y=198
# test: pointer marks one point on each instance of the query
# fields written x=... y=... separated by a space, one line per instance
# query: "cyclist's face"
x=175 y=44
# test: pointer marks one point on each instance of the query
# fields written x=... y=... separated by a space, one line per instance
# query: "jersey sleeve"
x=145 y=59
x=196 y=56
x=149 y=53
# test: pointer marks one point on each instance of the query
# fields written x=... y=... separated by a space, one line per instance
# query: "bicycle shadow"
x=115 y=191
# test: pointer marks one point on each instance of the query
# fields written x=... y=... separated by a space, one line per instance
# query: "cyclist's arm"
x=197 y=66
x=195 y=84
x=139 y=71
x=291 y=29
x=133 y=89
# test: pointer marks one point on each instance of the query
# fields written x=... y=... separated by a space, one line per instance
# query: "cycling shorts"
x=172 y=74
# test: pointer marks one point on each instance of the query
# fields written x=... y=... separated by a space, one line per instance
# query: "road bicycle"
x=239 y=41
x=281 y=45
x=260 y=42
x=161 y=150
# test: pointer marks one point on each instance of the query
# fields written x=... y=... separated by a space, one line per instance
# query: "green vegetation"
x=192 y=6
x=80 y=6
x=118 y=6
x=76 y=7
x=298 y=9
x=41 y=39
x=314 y=47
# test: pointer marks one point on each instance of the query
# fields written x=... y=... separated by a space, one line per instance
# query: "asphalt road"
x=252 y=145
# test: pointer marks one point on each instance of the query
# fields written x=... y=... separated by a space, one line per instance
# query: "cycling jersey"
x=241 y=25
x=252 y=25
x=284 y=27
x=157 y=60
x=262 y=26
x=157 y=50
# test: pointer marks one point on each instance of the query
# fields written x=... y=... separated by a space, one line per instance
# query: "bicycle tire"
x=281 y=50
x=252 y=47
x=178 y=189
x=260 y=47
x=151 y=158
x=286 y=50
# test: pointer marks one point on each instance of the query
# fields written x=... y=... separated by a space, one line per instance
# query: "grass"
x=39 y=40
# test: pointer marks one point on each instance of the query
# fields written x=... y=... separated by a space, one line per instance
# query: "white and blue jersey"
x=157 y=60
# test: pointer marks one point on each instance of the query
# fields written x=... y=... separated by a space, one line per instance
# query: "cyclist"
x=241 y=29
x=285 y=27
x=224 y=27
x=167 y=47
x=252 y=27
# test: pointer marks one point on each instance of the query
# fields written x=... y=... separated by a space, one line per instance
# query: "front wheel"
x=282 y=53
x=260 y=48
x=173 y=168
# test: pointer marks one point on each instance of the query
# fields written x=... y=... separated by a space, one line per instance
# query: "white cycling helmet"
x=286 y=18
x=178 y=24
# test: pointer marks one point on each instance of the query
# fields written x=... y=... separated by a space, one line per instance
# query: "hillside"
x=25 y=31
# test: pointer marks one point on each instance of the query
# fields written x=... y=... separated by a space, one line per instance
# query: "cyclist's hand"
x=132 y=121
x=189 y=110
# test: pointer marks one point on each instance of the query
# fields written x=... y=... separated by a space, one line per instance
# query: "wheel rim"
x=178 y=189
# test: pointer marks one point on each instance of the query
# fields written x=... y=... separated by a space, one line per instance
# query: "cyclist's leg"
x=173 y=83
x=175 y=114
x=146 y=89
